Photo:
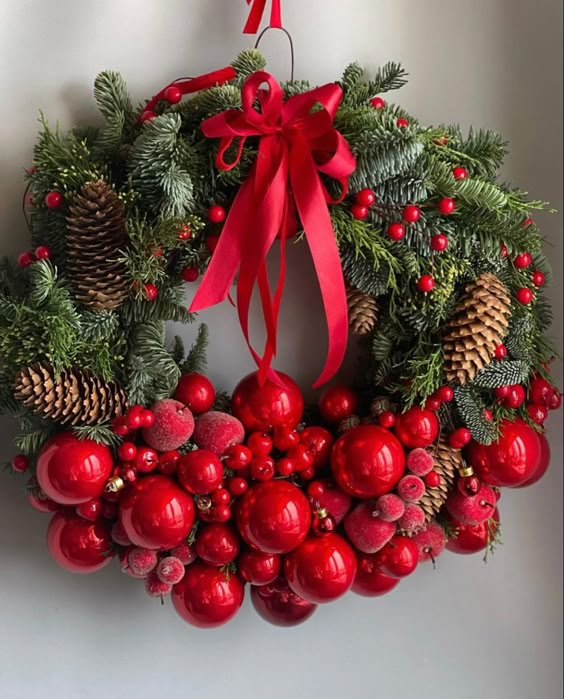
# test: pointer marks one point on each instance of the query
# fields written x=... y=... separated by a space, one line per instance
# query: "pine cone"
x=448 y=461
x=71 y=397
x=96 y=234
x=479 y=324
x=363 y=311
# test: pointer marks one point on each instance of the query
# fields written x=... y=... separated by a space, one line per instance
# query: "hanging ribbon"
x=256 y=14
x=296 y=145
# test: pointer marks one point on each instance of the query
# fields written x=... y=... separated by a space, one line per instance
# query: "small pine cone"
x=379 y=405
x=363 y=311
x=69 y=397
x=96 y=237
x=448 y=461
x=478 y=325
x=348 y=423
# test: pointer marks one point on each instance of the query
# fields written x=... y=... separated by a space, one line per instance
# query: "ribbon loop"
x=256 y=14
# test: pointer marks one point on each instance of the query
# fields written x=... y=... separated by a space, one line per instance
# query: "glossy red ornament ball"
x=365 y=197
x=200 y=472
x=318 y=441
x=512 y=459
x=417 y=427
x=446 y=206
x=190 y=274
x=445 y=394
x=217 y=544
x=26 y=259
x=273 y=516
x=216 y=214
x=196 y=391
x=43 y=252
x=500 y=352
x=459 y=173
x=515 y=397
x=399 y=557
x=258 y=568
x=278 y=605
x=337 y=402
x=524 y=296
x=396 y=231
x=439 y=242
x=367 y=461
x=156 y=513
x=459 y=438
x=262 y=408
x=426 y=283
x=523 y=260
x=72 y=470
x=544 y=462
x=54 y=200
x=411 y=213
x=321 y=569
x=433 y=479
x=540 y=391
x=470 y=538
x=78 y=545
x=369 y=580
x=207 y=597
x=359 y=212
x=538 y=279
x=377 y=103
x=151 y=291
x=173 y=94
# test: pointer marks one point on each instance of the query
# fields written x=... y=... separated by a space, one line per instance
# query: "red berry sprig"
x=54 y=200
x=446 y=206
x=396 y=231
x=439 y=242
x=426 y=283
x=523 y=260
x=411 y=213
x=216 y=214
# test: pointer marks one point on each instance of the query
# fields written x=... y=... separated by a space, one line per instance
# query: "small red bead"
x=411 y=213
x=151 y=291
x=359 y=212
x=43 y=252
x=190 y=274
x=285 y=466
x=432 y=479
x=26 y=259
x=426 y=283
x=222 y=513
x=459 y=173
x=173 y=94
x=216 y=214
x=184 y=232
x=523 y=260
x=402 y=123
x=433 y=403
x=260 y=443
x=439 y=242
x=238 y=457
x=537 y=412
x=445 y=394
x=524 y=296
x=127 y=451
x=54 y=200
x=396 y=231
x=262 y=468
x=446 y=206
x=365 y=197
x=500 y=352
x=387 y=419
x=377 y=103
x=237 y=486
x=212 y=242
x=20 y=463
x=538 y=279
x=504 y=251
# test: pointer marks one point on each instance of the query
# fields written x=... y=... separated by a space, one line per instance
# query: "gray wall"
x=464 y=631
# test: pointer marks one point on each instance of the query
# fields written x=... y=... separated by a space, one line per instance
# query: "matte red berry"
x=156 y=587
x=20 y=463
x=377 y=103
x=26 y=259
x=411 y=213
x=524 y=296
x=389 y=507
x=459 y=173
x=411 y=488
x=446 y=206
x=54 y=200
x=439 y=242
x=173 y=94
x=426 y=283
x=365 y=197
x=216 y=214
x=523 y=260
x=396 y=231
x=359 y=212
x=170 y=570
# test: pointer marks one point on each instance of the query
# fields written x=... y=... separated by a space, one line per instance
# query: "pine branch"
x=503 y=373
x=196 y=361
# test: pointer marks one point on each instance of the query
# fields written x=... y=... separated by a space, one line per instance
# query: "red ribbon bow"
x=257 y=11
x=296 y=145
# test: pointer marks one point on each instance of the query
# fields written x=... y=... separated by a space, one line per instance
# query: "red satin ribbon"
x=296 y=145
x=256 y=14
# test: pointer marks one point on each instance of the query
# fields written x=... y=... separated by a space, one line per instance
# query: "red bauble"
x=417 y=427
x=524 y=296
x=262 y=408
x=172 y=94
x=322 y=569
x=459 y=173
x=196 y=391
x=259 y=568
x=411 y=214
x=278 y=605
x=78 y=545
x=337 y=403
x=207 y=597
x=318 y=441
x=396 y=231
x=217 y=544
x=439 y=242
x=273 y=516
x=365 y=197
x=369 y=580
x=216 y=214
x=156 y=513
x=512 y=459
x=426 y=283
x=72 y=470
x=472 y=538
x=540 y=391
x=446 y=206
x=543 y=464
x=523 y=260
x=54 y=200
x=367 y=461
x=399 y=557
x=200 y=472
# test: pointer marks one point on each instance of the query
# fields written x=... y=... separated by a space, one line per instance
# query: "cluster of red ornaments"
x=301 y=514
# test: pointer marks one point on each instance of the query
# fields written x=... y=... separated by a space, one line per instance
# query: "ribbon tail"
x=255 y=16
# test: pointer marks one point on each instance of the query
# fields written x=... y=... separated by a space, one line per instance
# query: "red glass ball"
x=72 y=470
x=365 y=197
x=459 y=173
x=426 y=283
x=262 y=408
x=399 y=557
x=511 y=460
x=524 y=295
x=544 y=463
x=538 y=279
x=439 y=242
x=321 y=569
x=273 y=516
x=207 y=597
x=411 y=213
x=258 y=568
x=445 y=394
x=216 y=214
x=472 y=538
x=377 y=103
x=200 y=472
x=523 y=260
x=318 y=441
x=367 y=461
x=217 y=544
x=54 y=200
x=359 y=212
x=78 y=545
x=446 y=206
x=196 y=391
x=540 y=391
x=396 y=231
x=156 y=513
x=417 y=427
x=281 y=607
x=173 y=94
x=337 y=403
x=369 y=580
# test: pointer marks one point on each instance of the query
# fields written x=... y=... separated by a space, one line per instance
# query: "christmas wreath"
x=419 y=251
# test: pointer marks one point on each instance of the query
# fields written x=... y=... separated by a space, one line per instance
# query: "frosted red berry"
x=170 y=570
x=142 y=561
x=411 y=488
x=389 y=507
x=412 y=519
x=420 y=462
x=185 y=553
x=156 y=587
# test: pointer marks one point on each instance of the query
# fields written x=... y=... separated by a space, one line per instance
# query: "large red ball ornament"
x=322 y=569
x=417 y=427
x=207 y=596
x=258 y=568
x=369 y=580
x=367 y=461
x=156 y=513
x=262 y=408
x=472 y=538
x=71 y=471
x=78 y=545
x=196 y=391
x=511 y=460
x=543 y=464
x=280 y=606
x=337 y=403
x=273 y=516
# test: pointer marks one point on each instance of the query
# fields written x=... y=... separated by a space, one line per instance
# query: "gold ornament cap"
x=465 y=471
x=114 y=485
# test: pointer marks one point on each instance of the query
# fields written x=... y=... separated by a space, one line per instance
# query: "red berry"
x=377 y=103
x=396 y=231
x=500 y=352
x=365 y=197
x=119 y=426
x=402 y=123
x=91 y=510
x=285 y=467
x=156 y=587
x=538 y=279
x=445 y=394
x=147 y=115
x=459 y=438
x=399 y=557
x=173 y=94
x=200 y=472
x=127 y=451
x=147 y=418
x=170 y=570
x=308 y=473
x=433 y=479
x=133 y=420
x=389 y=507
x=387 y=419
x=43 y=252
x=442 y=141
x=555 y=401
x=515 y=397
x=20 y=463
x=146 y=459
x=504 y=252
x=222 y=514
x=502 y=391
x=262 y=468
x=301 y=457
x=411 y=488
x=488 y=415
x=459 y=173
x=237 y=486
x=184 y=232
x=54 y=200
x=426 y=283
x=190 y=274
x=260 y=443
x=446 y=206
x=524 y=296
x=526 y=222
x=142 y=561
x=433 y=403
x=238 y=457
x=26 y=259
x=537 y=412
x=316 y=489
x=284 y=438
x=411 y=213
x=151 y=291
x=439 y=242
x=359 y=212
x=216 y=214
x=523 y=260
x=420 y=462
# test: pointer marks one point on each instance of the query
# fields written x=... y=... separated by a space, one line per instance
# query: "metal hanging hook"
x=292 y=52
